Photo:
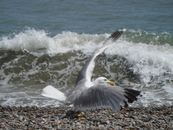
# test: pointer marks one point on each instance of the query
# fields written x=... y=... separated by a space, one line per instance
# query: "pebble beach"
x=55 y=118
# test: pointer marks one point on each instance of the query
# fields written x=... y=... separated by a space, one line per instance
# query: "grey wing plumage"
x=86 y=71
x=101 y=97
x=105 y=97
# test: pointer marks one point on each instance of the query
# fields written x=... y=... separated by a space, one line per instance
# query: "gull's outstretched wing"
x=86 y=71
x=105 y=97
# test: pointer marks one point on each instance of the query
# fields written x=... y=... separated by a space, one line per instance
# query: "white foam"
x=24 y=99
x=32 y=40
x=147 y=60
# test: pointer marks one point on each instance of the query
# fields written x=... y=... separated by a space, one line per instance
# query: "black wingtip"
x=131 y=94
x=117 y=34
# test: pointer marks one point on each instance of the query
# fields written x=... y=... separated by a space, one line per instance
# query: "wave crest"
x=32 y=40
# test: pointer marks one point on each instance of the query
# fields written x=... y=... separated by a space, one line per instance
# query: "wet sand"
x=53 y=118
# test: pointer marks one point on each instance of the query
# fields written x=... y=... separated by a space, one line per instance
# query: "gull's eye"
x=105 y=79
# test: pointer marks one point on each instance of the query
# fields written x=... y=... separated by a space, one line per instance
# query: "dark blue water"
x=97 y=16
x=41 y=40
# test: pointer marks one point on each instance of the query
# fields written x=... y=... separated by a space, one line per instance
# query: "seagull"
x=100 y=93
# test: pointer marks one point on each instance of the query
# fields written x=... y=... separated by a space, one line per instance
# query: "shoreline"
x=33 y=117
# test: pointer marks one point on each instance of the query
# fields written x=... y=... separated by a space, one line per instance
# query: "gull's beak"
x=111 y=83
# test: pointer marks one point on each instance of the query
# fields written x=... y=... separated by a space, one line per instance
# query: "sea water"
x=47 y=42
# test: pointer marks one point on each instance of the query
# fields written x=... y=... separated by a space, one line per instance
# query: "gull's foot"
x=78 y=114
x=73 y=114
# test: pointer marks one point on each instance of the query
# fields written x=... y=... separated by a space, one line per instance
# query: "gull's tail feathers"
x=51 y=92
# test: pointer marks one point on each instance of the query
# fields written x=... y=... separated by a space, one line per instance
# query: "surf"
x=32 y=59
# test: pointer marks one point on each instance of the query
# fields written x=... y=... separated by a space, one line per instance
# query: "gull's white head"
x=103 y=81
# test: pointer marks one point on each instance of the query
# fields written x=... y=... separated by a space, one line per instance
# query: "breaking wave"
x=32 y=59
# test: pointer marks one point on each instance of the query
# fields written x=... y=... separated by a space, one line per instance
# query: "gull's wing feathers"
x=101 y=97
x=131 y=94
x=86 y=71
